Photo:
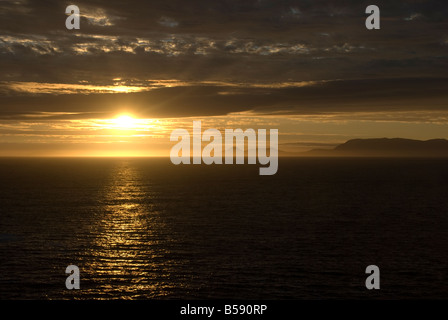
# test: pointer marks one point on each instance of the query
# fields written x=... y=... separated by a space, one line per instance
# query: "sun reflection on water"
x=130 y=254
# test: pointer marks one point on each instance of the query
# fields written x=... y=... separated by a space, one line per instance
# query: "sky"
x=310 y=69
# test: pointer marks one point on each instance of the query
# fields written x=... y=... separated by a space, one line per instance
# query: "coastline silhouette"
x=385 y=147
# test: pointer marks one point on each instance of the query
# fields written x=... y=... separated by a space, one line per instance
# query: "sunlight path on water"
x=128 y=258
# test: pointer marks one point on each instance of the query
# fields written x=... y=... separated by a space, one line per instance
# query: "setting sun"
x=125 y=121
x=195 y=151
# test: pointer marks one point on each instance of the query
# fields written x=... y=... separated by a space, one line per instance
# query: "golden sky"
x=136 y=71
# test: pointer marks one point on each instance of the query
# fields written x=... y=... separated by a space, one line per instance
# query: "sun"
x=126 y=124
x=125 y=121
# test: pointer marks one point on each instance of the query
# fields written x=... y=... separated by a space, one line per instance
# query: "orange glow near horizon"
x=125 y=134
x=126 y=124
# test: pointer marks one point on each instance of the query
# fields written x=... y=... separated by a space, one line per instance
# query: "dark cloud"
x=317 y=98
x=402 y=66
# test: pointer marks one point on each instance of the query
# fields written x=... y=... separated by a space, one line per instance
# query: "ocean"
x=143 y=228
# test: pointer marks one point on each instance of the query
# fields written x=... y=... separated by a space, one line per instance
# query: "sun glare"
x=126 y=121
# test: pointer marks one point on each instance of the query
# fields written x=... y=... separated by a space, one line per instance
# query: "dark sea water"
x=146 y=229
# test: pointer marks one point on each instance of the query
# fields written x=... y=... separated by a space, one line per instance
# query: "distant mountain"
x=387 y=148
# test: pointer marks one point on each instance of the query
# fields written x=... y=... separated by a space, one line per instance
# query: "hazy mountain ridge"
x=385 y=147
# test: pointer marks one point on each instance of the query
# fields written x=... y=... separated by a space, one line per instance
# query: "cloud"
x=218 y=57
x=14 y=7
x=94 y=44
x=98 y=17
x=168 y=22
x=414 y=16
x=63 y=88
x=122 y=86
x=381 y=96
x=35 y=44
